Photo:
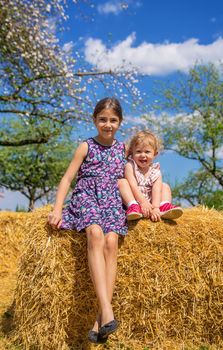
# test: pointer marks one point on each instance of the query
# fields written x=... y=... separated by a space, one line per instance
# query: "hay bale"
x=11 y=238
x=168 y=290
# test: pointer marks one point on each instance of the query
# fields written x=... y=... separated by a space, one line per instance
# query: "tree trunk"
x=31 y=204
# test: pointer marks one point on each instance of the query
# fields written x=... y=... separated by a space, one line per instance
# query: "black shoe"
x=94 y=337
x=108 y=328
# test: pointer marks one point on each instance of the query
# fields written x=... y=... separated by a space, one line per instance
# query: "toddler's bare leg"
x=125 y=191
x=166 y=195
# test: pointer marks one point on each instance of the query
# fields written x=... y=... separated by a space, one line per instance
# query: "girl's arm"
x=143 y=202
x=156 y=199
x=55 y=217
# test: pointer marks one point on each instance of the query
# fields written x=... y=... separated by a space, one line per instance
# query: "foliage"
x=20 y=209
x=194 y=126
x=35 y=74
x=35 y=170
x=44 y=87
x=41 y=79
x=199 y=188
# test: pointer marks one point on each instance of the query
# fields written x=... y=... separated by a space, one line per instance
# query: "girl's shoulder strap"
x=155 y=166
x=130 y=160
x=138 y=175
x=121 y=145
x=90 y=140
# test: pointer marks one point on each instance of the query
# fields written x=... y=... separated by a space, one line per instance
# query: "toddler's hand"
x=55 y=219
x=155 y=214
x=146 y=208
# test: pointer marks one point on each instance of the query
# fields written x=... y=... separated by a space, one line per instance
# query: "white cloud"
x=134 y=120
x=67 y=47
x=218 y=153
x=152 y=59
x=113 y=7
x=110 y=7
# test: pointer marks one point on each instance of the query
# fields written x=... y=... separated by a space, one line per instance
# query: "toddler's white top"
x=145 y=181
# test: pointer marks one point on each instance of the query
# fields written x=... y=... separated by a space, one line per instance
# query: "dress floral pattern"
x=96 y=198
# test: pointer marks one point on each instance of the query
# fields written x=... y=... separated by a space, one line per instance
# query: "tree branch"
x=84 y=74
x=39 y=140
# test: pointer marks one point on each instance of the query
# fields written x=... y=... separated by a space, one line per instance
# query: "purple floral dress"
x=96 y=198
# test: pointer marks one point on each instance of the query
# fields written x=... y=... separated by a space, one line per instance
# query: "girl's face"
x=143 y=154
x=107 y=123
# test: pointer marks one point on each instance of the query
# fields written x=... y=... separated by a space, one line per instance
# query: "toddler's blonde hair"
x=144 y=137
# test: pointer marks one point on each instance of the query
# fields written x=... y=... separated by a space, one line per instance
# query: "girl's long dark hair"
x=108 y=103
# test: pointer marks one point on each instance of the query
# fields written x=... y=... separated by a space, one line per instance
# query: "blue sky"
x=159 y=37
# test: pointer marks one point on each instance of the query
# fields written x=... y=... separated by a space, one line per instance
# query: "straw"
x=168 y=295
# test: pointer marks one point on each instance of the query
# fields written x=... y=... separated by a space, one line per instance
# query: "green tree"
x=35 y=170
x=41 y=79
x=191 y=124
x=199 y=188
x=43 y=88
x=35 y=74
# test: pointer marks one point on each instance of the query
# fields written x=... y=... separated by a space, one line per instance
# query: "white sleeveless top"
x=145 y=181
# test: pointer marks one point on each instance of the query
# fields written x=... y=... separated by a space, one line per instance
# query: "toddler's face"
x=143 y=154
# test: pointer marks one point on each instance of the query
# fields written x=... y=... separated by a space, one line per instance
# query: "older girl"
x=96 y=207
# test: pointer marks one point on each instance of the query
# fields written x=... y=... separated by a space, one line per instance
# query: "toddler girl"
x=96 y=207
x=152 y=196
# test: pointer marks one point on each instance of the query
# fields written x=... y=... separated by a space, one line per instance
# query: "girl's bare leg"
x=110 y=254
x=97 y=323
x=125 y=191
x=127 y=195
x=166 y=195
x=97 y=267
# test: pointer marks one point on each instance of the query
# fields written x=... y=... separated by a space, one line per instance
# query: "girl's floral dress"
x=96 y=198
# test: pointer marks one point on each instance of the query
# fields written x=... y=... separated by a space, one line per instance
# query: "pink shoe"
x=134 y=212
x=170 y=211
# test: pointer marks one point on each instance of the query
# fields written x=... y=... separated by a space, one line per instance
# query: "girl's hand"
x=146 y=208
x=155 y=214
x=55 y=219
